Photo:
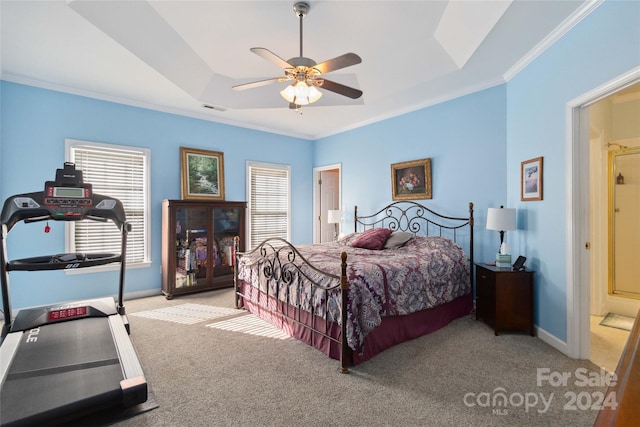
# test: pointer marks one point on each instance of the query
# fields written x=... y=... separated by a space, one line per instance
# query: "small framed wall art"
x=411 y=180
x=202 y=174
x=531 y=180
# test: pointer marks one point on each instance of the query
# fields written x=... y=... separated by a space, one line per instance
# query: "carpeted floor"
x=227 y=319
x=114 y=415
x=204 y=375
x=188 y=313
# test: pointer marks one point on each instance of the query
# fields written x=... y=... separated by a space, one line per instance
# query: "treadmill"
x=65 y=361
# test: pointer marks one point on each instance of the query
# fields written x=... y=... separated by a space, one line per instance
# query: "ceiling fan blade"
x=258 y=83
x=271 y=57
x=341 y=89
x=346 y=60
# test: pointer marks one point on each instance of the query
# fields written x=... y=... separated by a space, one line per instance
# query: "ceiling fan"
x=305 y=74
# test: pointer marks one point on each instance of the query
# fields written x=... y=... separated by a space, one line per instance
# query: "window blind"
x=268 y=203
x=120 y=173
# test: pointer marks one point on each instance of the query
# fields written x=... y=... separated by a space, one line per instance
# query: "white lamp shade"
x=300 y=93
x=314 y=94
x=501 y=219
x=288 y=93
x=334 y=216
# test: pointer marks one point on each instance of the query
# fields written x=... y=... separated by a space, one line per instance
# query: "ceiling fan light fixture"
x=305 y=74
x=300 y=93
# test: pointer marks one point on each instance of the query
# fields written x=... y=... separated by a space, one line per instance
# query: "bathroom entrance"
x=624 y=211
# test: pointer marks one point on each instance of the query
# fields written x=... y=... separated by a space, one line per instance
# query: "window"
x=121 y=172
x=269 y=202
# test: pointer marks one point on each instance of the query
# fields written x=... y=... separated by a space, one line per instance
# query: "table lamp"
x=334 y=216
x=501 y=219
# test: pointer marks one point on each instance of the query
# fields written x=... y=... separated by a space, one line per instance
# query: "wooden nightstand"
x=504 y=298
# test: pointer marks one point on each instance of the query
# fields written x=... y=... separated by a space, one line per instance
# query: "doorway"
x=624 y=212
x=327 y=188
x=591 y=119
x=614 y=130
x=614 y=232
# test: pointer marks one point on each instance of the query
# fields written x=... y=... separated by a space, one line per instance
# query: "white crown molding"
x=426 y=103
x=102 y=97
x=553 y=37
x=94 y=95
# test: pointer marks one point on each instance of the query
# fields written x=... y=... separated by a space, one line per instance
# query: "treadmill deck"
x=62 y=368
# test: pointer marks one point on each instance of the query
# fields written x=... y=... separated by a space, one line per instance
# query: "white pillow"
x=397 y=239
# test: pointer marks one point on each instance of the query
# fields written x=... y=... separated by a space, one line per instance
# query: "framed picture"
x=411 y=180
x=202 y=174
x=531 y=179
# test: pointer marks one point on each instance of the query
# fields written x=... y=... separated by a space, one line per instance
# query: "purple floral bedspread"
x=424 y=273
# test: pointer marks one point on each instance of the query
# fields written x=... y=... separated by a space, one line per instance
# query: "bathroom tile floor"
x=607 y=344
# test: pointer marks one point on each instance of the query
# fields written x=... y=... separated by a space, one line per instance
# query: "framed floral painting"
x=202 y=174
x=411 y=180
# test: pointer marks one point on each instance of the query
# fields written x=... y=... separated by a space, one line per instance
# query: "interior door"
x=329 y=200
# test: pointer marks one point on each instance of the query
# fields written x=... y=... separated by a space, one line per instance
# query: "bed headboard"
x=412 y=217
x=420 y=220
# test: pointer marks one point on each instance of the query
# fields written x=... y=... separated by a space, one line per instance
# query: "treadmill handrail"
x=57 y=262
x=23 y=207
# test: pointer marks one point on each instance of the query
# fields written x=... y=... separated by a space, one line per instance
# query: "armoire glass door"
x=191 y=246
x=226 y=225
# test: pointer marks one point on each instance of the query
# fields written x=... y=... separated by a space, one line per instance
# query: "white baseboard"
x=140 y=294
x=553 y=341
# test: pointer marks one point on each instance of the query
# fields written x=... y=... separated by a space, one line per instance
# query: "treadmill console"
x=67 y=196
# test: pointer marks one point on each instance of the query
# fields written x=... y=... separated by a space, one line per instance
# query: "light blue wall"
x=35 y=123
x=603 y=46
x=466 y=141
x=476 y=144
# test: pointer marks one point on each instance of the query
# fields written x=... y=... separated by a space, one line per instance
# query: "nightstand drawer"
x=485 y=296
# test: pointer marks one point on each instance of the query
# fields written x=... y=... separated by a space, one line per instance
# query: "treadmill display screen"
x=68 y=192
x=67 y=313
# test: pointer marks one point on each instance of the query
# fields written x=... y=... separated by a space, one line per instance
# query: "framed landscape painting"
x=202 y=174
x=411 y=180
x=531 y=180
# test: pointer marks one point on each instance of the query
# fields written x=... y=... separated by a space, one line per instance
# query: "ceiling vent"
x=213 y=107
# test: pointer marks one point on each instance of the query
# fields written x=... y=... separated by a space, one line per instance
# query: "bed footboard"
x=274 y=277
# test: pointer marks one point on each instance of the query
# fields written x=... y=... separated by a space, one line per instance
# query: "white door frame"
x=316 y=195
x=577 y=204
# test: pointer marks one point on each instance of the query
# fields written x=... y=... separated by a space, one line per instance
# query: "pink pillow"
x=372 y=239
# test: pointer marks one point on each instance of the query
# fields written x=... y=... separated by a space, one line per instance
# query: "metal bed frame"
x=279 y=261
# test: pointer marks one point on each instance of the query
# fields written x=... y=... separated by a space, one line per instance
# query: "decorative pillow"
x=347 y=238
x=372 y=239
x=397 y=239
